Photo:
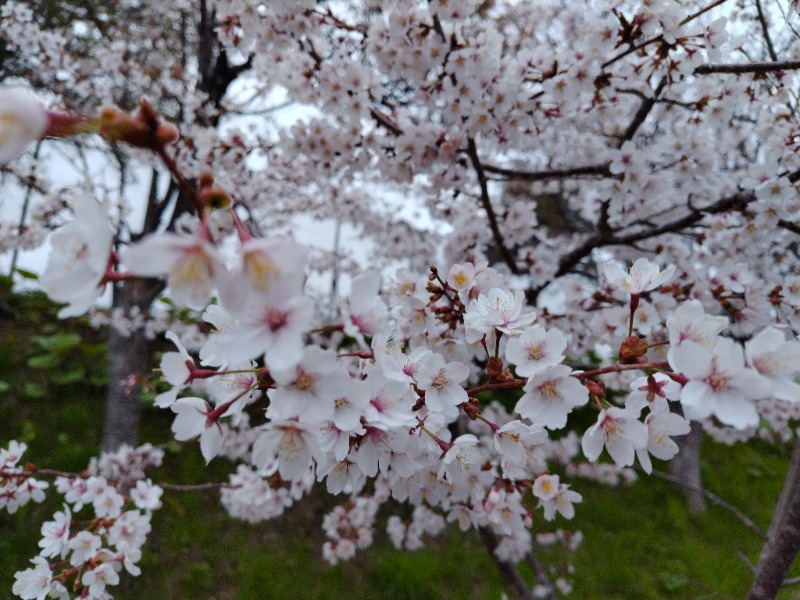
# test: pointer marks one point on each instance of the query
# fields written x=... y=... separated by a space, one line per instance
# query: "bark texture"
x=686 y=467
x=517 y=588
x=128 y=359
x=783 y=537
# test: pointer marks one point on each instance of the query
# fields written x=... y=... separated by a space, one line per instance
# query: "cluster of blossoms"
x=86 y=553
x=451 y=393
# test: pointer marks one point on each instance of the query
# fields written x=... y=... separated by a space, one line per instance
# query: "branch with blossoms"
x=385 y=405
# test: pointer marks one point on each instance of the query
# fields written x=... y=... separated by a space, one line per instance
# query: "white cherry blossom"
x=719 y=383
x=643 y=276
x=620 y=431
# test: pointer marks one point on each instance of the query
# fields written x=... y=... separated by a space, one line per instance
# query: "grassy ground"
x=640 y=542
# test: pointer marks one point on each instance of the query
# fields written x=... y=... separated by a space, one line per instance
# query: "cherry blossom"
x=550 y=395
x=620 y=431
x=441 y=381
x=193 y=419
x=193 y=265
x=661 y=424
x=642 y=276
x=535 y=350
x=498 y=310
x=77 y=264
x=719 y=383
x=776 y=359
x=24 y=120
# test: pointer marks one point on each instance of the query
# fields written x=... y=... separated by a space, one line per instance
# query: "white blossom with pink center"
x=497 y=309
x=719 y=383
x=77 y=264
x=535 y=349
x=643 y=276
x=619 y=431
x=550 y=395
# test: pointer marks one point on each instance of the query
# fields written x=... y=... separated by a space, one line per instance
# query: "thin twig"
x=746 y=521
x=644 y=109
x=765 y=28
x=198 y=487
x=472 y=152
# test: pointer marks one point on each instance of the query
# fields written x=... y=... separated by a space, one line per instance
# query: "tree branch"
x=765 y=28
x=644 y=109
x=514 y=582
x=600 y=170
x=741 y=68
x=746 y=521
x=472 y=152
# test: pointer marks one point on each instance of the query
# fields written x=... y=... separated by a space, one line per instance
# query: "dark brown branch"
x=765 y=29
x=630 y=50
x=587 y=171
x=783 y=542
x=601 y=239
x=542 y=577
x=702 y=11
x=644 y=109
x=514 y=582
x=385 y=121
x=789 y=226
x=639 y=94
x=472 y=152
x=743 y=68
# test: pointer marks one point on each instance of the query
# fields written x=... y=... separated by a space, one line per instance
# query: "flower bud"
x=633 y=350
x=494 y=369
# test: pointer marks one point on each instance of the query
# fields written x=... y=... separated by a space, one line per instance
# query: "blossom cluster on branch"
x=668 y=294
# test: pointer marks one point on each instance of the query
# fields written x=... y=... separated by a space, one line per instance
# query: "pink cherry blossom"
x=550 y=395
x=193 y=265
x=23 y=118
x=79 y=258
x=719 y=383
x=642 y=276
x=620 y=431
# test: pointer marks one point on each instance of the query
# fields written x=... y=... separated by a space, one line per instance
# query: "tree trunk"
x=128 y=360
x=686 y=467
x=783 y=538
x=516 y=585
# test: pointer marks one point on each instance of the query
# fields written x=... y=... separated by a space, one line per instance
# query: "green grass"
x=640 y=541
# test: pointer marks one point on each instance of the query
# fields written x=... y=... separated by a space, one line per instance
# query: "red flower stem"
x=620 y=367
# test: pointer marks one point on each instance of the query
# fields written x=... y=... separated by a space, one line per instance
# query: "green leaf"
x=94 y=349
x=58 y=342
x=35 y=390
x=73 y=374
x=98 y=379
x=26 y=274
x=45 y=362
x=4 y=387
